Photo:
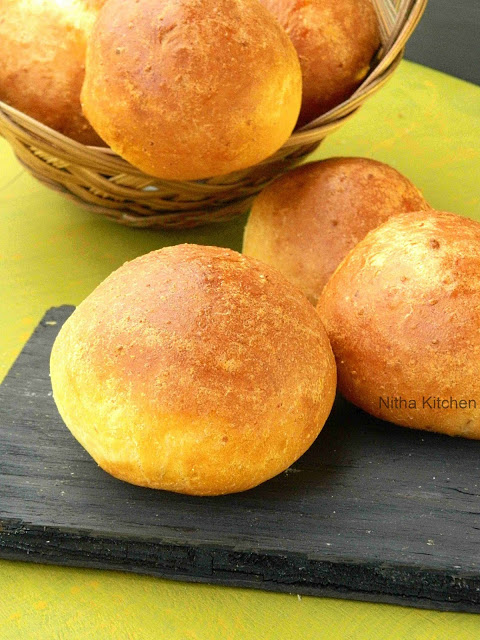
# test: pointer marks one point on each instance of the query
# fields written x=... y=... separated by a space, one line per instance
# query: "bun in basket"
x=189 y=89
x=42 y=51
x=194 y=369
x=403 y=315
x=335 y=41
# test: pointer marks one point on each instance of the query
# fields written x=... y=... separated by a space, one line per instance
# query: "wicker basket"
x=101 y=181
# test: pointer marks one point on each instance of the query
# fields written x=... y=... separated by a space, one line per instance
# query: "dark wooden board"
x=371 y=511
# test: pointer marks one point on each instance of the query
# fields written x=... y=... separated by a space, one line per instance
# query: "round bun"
x=335 y=41
x=194 y=369
x=403 y=315
x=42 y=51
x=193 y=88
x=306 y=221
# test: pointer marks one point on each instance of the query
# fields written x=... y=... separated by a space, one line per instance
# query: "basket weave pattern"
x=101 y=181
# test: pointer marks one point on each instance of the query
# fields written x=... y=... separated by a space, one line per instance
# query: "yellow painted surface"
x=425 y=124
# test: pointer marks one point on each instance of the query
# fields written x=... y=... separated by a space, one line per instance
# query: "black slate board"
x=370 y=512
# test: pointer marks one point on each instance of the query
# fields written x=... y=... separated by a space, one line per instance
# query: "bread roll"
x=189 y=89
x=306 y=221
x=194 y=369
x=335 y=41
x=403 y=315
x=42 y=52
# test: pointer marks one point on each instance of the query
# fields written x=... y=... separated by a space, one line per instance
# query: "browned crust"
x=403 y=315
x=194 y=369
x=192 y=88
x=42 y=52
x=335 y=41
x=306 y=221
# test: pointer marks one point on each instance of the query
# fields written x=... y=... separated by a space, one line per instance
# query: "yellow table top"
x=425 y=124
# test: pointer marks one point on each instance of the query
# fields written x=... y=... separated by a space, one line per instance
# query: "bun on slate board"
x=42 y=52
x=402 y=312
x=190 y=89
x=306 y=221
x=335 y=41
x=194 y=369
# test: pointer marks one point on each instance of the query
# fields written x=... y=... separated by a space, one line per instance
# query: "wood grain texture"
x=371 y=512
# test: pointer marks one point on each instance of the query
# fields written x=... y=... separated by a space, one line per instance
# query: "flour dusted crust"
x=188 y=89
x=403 y=315
x=42 y=52
x=194 y=369
x=306 y=221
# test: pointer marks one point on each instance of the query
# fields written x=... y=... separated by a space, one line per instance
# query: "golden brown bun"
x=335 y=41
x=403 y=314
x=194 y=369
x=42 y=53
x=192 y=88
x=306 y=221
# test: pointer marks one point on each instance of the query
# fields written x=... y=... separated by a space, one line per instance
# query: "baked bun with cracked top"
x=403 y=315
x=194 y=369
